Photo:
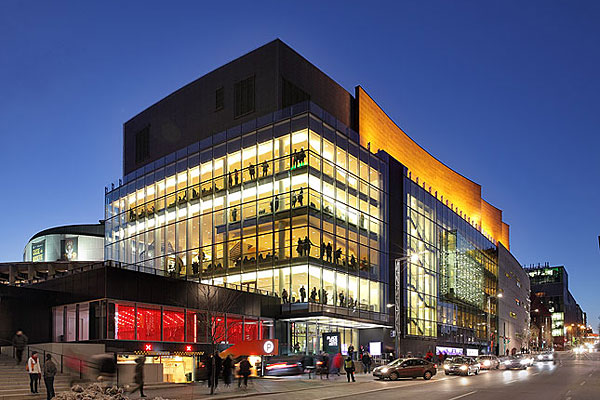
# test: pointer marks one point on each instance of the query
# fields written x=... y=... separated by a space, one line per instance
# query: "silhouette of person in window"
x=265 y=168
x=251 y=171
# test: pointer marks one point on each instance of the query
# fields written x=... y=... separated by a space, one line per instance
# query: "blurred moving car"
x=515 y=362
x=406 y=368
x=488 y=362
x=461 y=366
x=546 y=356
x=283 y=366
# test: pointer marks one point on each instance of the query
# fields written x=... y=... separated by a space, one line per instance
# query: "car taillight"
x=434 y=365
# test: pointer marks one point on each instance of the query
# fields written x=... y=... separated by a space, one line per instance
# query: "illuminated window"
x=124 y=322
x=148 y=324
x=173 y=326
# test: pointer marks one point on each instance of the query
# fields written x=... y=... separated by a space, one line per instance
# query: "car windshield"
x=459 y=360
x=396 y=362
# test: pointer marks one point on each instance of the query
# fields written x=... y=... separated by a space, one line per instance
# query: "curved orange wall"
x=464 y=195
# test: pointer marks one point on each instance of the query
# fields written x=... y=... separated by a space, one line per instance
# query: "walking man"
x=33 y=368
x=19 y=342
x=244 y=372
x=49 y=373
x=139 y=375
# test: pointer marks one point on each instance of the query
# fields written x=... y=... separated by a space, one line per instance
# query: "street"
x=573 y=377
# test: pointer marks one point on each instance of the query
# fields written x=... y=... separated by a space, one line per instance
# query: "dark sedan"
x=461 y=366
x=406 y=368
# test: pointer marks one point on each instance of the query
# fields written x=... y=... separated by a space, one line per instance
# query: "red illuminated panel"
x=218 y=328
x=188 y=348
x=148 y=347
x=173 y=326
x=234 y=330
x=192 y=328
x=251 y=329
x=124 y=322
x=148 y=324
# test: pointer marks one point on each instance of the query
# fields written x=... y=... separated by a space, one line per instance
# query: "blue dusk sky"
x=505 y=92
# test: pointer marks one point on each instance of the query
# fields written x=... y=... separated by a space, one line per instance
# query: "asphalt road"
x=573 y=377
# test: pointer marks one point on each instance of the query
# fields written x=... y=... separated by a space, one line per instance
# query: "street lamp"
x=489 y=319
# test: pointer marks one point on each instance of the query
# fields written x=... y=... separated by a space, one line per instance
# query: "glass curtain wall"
x=295 y=209
x=448 y=287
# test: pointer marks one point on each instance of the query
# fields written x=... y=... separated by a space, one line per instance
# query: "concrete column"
x=12 y=274
x=51 y=271
x=31 y=275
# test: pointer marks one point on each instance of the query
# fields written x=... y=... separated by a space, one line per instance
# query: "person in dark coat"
x=49 y=373
x=139 y=375
x=244 y=372
x=227 y=370
x=19 y=342
x=324 y=365
x=302 y=293
x=366 y=360
x=218 y=363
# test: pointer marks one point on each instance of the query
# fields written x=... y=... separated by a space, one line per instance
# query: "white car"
x=545 y=356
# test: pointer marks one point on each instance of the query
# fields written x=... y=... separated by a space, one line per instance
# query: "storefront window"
x=173 y=326
x=124 y=322
x=234 y=329
x=192 y=327
x=148 y=324
x=251 y=329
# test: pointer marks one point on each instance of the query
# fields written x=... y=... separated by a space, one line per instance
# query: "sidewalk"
x=256 y=387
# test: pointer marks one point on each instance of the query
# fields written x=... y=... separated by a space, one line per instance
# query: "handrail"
x=61 y=356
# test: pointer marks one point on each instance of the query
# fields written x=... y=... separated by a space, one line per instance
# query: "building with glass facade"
x=550 y=288
x=265 y=177
x=274 y=184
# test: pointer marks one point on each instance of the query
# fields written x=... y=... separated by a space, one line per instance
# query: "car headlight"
x=506 y=362
x=463 y=367
x=487 y=363
x=524 y=362
x=446 y=366
x=384 y=370
x=540 y=357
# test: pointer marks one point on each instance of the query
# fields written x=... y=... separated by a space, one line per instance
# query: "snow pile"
x=95 y=392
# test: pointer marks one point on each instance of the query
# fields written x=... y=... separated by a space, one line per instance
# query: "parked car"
x=515 y=362
x=461 y=366
x=406 y=368
x=546 y=356
x=488 y=362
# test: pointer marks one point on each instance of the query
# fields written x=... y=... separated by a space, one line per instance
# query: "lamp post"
x=489 y=320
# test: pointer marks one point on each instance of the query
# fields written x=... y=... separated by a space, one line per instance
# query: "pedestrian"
x=349 y=367
x=265 y=168
x=216 y=368
x=34 y=370
x=323 y=249
x=302 y=293
x=300 y=248
x=227 y=370
x=324 y=365
x=351 y=351
x=138 y=377
x=252 y=172
x=341 y=297
x=49 y=373
x=244 y=372
x=429 y=356
x=338 y=360
x=19 y=342
x=308 y=364
x=313 y=294
x=284 y=296
x=306 y=246
x=300 y=197
x=236 y=176
x=328 y=250
x=366 y=360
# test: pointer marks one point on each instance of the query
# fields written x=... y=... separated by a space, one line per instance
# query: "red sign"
x=188 y=348
x=265 y=347
x=148 y=347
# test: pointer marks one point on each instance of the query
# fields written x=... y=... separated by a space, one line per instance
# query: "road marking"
x=591 y=374
x=514 y=380
x=463 y=395
x=582 y=383
x=568 y=398
x=537 y=373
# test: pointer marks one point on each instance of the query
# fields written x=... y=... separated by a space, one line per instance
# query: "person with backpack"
x=366 y=360
x=349 y=367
